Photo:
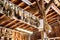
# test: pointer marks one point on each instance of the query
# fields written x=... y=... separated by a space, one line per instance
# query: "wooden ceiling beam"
x=53 y=6
x=22 y=5
x=28 y=7
x=50 y=14
x=30 y=28
x=15 y=25
x=51 y=20
x=41 y=11
x=2 y=16
x=39 y=16
x=34 y=29
x=36 y=13
x=18 y=25
x=24 y=26
x=6 y=22
x=21 y=25
x=53 y=16
x=12 y=22
x=16 y=1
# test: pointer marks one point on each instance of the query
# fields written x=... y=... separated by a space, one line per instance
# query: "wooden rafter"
x=12 y=23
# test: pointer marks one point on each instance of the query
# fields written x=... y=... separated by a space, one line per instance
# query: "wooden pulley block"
x=57 y=2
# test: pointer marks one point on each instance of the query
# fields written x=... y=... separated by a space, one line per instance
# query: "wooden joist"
x=13 y=24
x=27 y=7
x=51 y=20
x=6 y=22
x=16 y=1
x=22 y=5
x=2 y=16
x=30 y=28
x=18 y=25
x=53 y=16
x=23 y=26
x=27 y=26
x=50 y=14
x=39 y=16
